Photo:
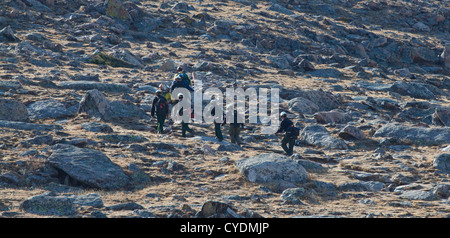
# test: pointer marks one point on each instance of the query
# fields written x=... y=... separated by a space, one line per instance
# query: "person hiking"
x=217 y=125
x=183 y=75
x=291 y=135
x=178 y=82
x=165 y=92
x=235 y=129
x=184 y=125
x=160 y=107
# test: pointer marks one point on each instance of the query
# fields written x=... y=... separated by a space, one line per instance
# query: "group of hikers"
x=164 y=101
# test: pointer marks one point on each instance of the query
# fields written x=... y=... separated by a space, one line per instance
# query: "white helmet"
x=283 y=114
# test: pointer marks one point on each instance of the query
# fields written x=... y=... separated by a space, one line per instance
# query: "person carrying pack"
x=291 y=135
x=235 y=128
x=160 y=107
x=184 y=125
x=183 y=76
x=178 y=82
x=217 y=126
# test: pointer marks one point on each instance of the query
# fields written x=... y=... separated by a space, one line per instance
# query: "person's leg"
x=218 y=131
x=183 y=129
x=232 y=134
x=238 y=139
x=284 y=142
x=291 y=146
x=161 y=119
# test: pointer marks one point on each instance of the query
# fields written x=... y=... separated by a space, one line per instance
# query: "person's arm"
x=152 y=112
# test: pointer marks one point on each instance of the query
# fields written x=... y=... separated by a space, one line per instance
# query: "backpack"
x=293 y=132
x=185 y=78
x=162 y=106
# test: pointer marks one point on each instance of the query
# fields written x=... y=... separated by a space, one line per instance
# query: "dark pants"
x=234 y=134
x=184 y=128
x=287 y=140
x=218 y=131
x=160 y=119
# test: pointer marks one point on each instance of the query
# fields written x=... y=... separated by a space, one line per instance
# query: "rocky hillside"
x=367 y=81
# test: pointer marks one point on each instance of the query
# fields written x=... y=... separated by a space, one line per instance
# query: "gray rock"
x=326 y=101
x=10 y=85
x=415 y=90
x=127 y=56
x=362 y=186
x=442 y=163
x=445 y=56
x=275 y=171
x=415 y=135
x=302 y=105
x=420 y=26
x=97 y=127
x=89 y=200
x=49 y=204
x=125 y=206
x=214 y=209
x=227 y=146
x=168 y=65
x=35 y=36
x=441 y=116
x=91 y=85
x=352 y=132
x=332 y=117
x=12 y=110
x=29 y=126
x=418 y=195
x=310 y=166
x=7 y=35
x=122 y=138
x=326 y=73
x=95 y=104
x=319 y=136
x=50 y=109
x=88 y=77
x=442 y=191
x=40 y=140
x=138 y=176
x=293 y=196
x=424 y=55
x=90 y=167
x=278 y=8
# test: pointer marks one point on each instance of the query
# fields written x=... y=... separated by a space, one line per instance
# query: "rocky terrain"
x=367 y=81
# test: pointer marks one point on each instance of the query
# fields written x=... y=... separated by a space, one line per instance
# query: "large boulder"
x=50 y=109
x=50 y=205
x=332 y=117
x=96 y=105
x=275 y=171
x=441 y=116
x=88 y=167
x=442 y=163
x=12 y=110
x=116 y=9
x=310 y=102
x=319 y=136
x=420 y=136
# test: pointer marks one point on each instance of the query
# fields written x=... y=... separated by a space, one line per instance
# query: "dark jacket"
x=284 y=125
x=156 y=108
x=180 y=84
